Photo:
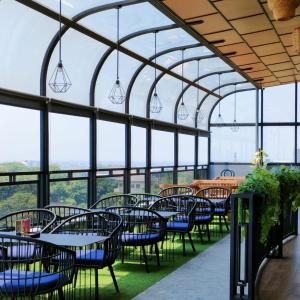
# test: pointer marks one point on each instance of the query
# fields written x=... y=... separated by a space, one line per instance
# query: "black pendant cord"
x=118 y=40
x=60 y=60
x=182 y=73
x=155 y=49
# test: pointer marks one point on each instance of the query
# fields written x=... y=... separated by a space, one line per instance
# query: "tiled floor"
x=205 y=277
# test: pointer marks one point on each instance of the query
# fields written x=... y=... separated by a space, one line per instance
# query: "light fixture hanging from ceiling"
x=117 y=93
x=155 y=104
x=235 y=126
x=59 y=81
x=182 y=112
x=283 y=10
x=219 y=120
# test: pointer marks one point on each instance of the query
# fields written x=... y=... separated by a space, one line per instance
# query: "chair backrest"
x=185 y=205
x=145 y=200
x=96 y=223
x=18 y=281
x=204 y=207
x=63 y=212
x=137 y=221
x=41 y=220
x=227 y=172
x=176 y=190
x=116 y=200
x=218 y=195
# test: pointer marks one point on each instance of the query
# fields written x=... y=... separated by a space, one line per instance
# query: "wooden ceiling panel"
x=285 y=73
x=230 y=37
x=274 y=59
x=281 y=66
x=272 y=83
x=219 y=24
x=269 y=49
x=269 y=79
x=286 y=39
x=233 y=9
x=287 y=79
x=291 y=50
x=240 y=49
x=261 y=38
x=245 y=59
x=251 y=24
x=297 y=67
x=296 y=59
x=287 y=26
x=189 y=9
x=260 y=74
x=255 y=67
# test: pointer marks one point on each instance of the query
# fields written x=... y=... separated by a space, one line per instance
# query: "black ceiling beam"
x=188 y=86
x=170 y=68
x=169 y=13
x=82 y=29
x=78 y=17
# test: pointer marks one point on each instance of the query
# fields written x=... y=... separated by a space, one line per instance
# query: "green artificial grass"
x=131 y=275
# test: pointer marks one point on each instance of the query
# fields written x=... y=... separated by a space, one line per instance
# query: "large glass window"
x=162 y=148
x=186 y=147
x=69 y=142
x=110 y=145
x=228 y=146
x=109 y=186
x=202 y=150
x=278 y=143
x=138 y=146
x=279 y=103
x=19 y=139
x=160 y=178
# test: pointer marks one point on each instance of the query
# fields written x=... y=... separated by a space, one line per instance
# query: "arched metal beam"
x=110 y=50
x=164 y=73
x=65 y=28
x=141 y=67
x=188 y=86
x=206 y=96
x=226 y=95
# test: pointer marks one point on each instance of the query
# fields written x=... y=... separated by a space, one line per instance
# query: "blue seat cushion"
x=89 y=257
x=220 y=211
x=26 y=283
x=203 y=218
x=21 y=251
x=140 y=238
x=177 y=226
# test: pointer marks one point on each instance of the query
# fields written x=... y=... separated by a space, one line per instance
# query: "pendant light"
x=117 y=93
x=182 y=112
x=59 y=81
x=219 y=120
x=200 y=116
x=155 y=104
x=234 y=127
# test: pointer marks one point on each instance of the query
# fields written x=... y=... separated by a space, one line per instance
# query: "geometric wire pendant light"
x=182 y=112
x=155 y=103
x=234 y=127
x=219 y=120
x=59 y=81
x=117 y=93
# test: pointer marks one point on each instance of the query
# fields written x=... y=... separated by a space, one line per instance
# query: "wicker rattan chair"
x=176 y=190
x=116 y=200
x=145 y=200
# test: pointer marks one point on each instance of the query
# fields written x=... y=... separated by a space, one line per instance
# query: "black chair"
x=176 y=190
x=183 y=222
x=41 y=220
x=145 y=200
x=116 y=200
x=227 y=172
x=204 y=214
x=220 y=197
x=17 y=281
x=141 y=227
x=64 y=212
x=100 y=255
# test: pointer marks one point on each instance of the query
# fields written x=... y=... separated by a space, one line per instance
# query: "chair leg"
x=145 y=259
x=112 y=273
x=191 y=241
x=200 y=233
x=220 y=224
x=226 y=224
x=157 y=254
x=96 y=285
x=208 y=232
x=183 y=244
x=61 y=295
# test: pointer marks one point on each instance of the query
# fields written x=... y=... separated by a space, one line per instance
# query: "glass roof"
x=85 y=57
